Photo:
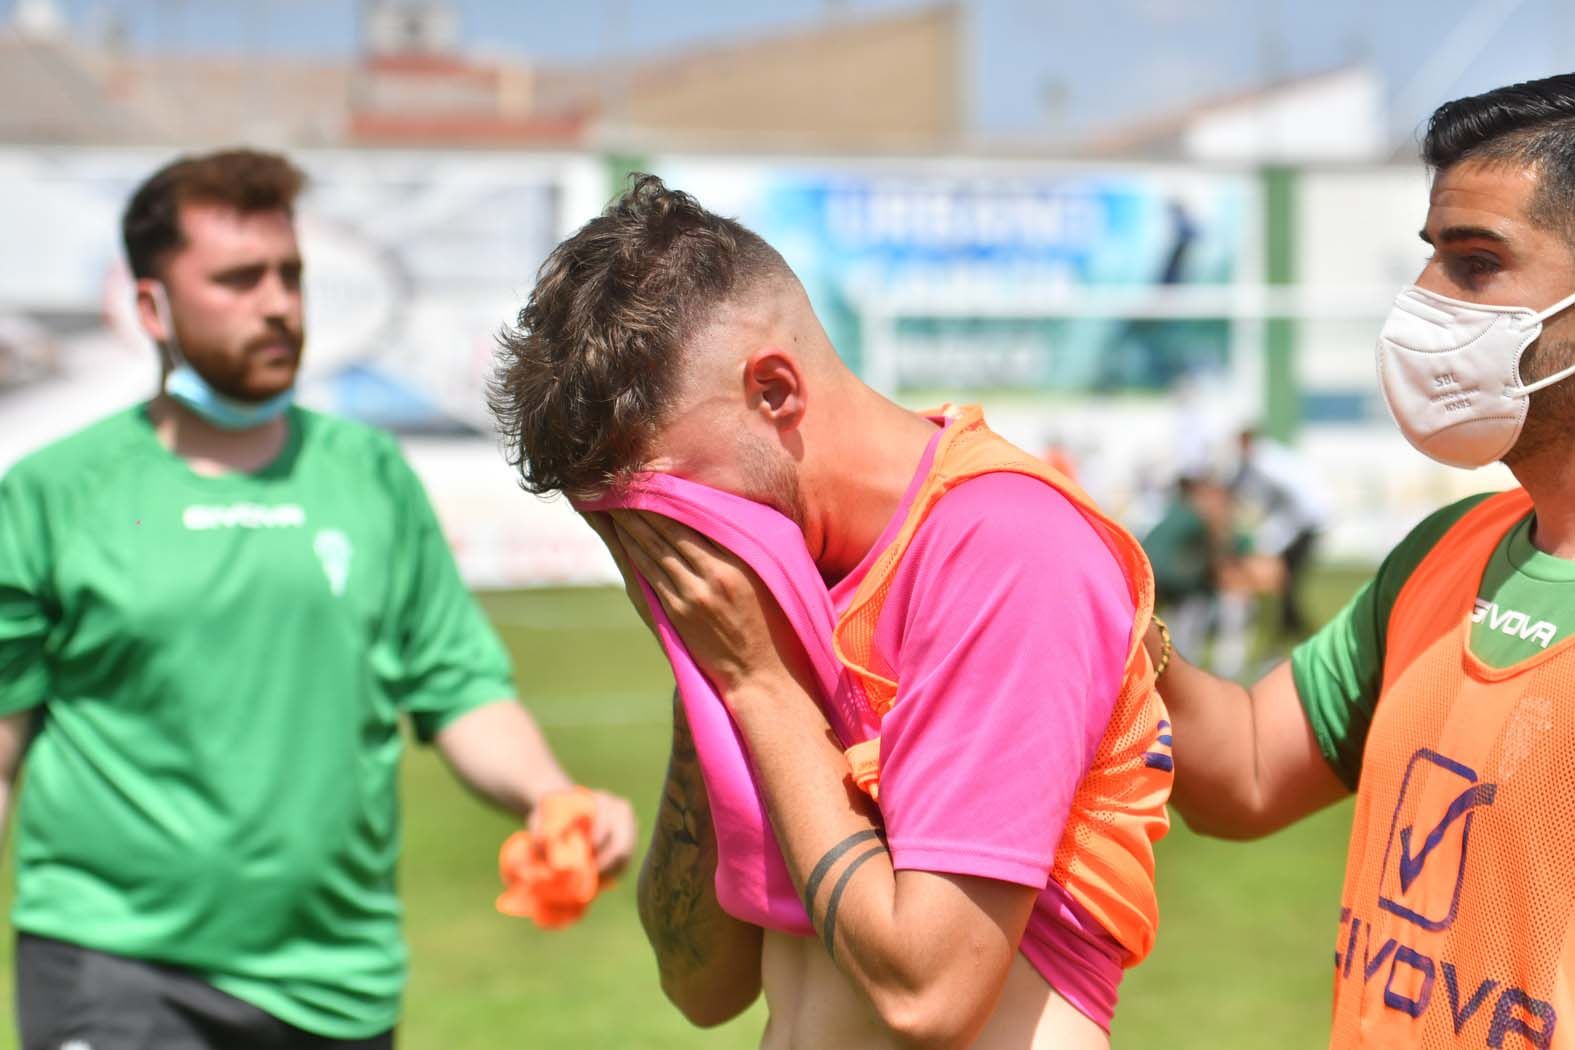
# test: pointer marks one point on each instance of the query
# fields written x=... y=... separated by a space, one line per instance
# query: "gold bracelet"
x=1165 y=651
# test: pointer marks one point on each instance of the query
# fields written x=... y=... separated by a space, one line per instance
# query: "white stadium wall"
x=1116 y=311
x=414 y=261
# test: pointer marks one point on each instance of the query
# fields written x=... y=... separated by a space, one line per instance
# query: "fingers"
x=684 y=569
x=615 y=833
x=690 y=568
x=651 y=557
x=601 y=523
x=695 y=548
x=640 y=535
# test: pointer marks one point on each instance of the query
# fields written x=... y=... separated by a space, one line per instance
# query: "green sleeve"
x=25 y=607
x=450 y=659
x=1339 y=670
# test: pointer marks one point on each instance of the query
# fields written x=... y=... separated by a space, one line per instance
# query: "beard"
x=771 y=479
x=1550 y=417
x=238 y=374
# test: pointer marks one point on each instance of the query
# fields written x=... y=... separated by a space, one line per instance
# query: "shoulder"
x=1013 y=514
x=1420 y=541
x=1007 y=526
x=1433 y=527
x=84 y=457
x=1339 y=670
x=368 y=452
x=338 y=434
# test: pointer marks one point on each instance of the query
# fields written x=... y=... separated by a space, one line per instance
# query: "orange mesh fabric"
x=1455 y=927
x=1105 y=860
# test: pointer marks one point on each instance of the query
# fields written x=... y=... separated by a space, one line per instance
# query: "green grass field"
x=1245 y=942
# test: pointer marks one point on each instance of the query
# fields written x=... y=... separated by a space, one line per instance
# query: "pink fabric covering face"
x=752 y=881
x=1007 y=624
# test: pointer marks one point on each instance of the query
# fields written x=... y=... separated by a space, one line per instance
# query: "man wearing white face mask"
x=1443 y=695
x=215 y=610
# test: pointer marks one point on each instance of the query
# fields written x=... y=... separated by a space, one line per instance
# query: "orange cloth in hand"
x=551 y=876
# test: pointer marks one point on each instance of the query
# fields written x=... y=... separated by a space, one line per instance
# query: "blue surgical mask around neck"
x=187 y=386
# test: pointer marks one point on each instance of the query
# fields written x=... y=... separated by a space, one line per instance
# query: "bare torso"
x=812 y=1006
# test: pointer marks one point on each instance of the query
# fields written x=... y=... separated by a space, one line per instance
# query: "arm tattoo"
x=829 y=924
x=677 y=888
x=823 y=866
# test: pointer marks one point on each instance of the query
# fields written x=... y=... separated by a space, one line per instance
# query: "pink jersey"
x=1008 y=622
x=752 y=881
x=1008 y=625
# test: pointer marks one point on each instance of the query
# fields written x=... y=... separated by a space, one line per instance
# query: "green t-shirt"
x=1181 y=552
x=218 y=665
x=1184 y=553
x=1525 y=603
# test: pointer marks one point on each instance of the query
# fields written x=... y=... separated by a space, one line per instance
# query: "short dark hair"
x=244 y=179
x=586 y=376
x=1532 y=124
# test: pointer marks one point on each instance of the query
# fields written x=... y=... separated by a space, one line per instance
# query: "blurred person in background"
x=1281 y=492
x=1006 y=878
x=1185 y=551
x=214 y=609
x=1443 y=694
x=1207 y=578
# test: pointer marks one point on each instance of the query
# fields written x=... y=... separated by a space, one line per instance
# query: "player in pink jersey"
x=661 y=338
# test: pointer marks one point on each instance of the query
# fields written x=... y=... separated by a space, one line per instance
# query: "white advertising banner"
x=413 y=263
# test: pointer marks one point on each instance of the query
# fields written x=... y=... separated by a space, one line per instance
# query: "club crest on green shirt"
x=334 y=550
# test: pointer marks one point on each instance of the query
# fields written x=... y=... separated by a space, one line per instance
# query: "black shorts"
x=73 y=998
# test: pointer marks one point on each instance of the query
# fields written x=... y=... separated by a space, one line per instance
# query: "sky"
x=1035 y=70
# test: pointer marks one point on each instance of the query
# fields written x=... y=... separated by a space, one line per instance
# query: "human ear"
x=153 y=310
x=774 y=387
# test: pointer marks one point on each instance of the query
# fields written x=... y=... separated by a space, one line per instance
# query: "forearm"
x=709 y=961
x=1216 y=789
x=1247 y=760
x=15 y=730
x=930 y=951
x=498 y=751
x=903 y=938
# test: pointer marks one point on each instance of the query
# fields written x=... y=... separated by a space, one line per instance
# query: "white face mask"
x=1450 y=373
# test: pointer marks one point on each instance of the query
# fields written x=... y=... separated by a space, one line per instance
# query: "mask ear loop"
x=1546 y=381
x=1527 y=389
x=161 y=306
x=1558 y=307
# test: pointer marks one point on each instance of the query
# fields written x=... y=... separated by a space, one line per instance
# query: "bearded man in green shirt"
x=214 y=607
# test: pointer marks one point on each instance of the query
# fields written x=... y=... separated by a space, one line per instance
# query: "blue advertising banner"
x=1001 y=277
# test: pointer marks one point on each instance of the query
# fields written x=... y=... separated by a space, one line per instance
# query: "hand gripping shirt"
x=1011 y=622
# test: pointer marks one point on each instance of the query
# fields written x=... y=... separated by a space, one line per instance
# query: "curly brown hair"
x=586 y=376
x=245 y=179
